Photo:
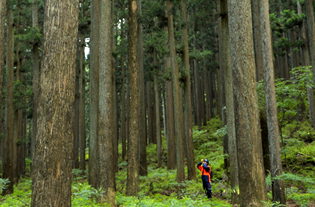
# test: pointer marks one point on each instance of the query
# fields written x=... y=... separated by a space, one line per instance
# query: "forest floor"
x=160 y=188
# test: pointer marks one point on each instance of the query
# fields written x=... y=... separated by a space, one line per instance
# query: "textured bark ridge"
x=51 y=182
x=133 y=122
x=179 y=133
x=94 y=94
x=247 y=126
x=8 y=168
x=188 y=111
x=105 y=120
x=142 y=120
x=271 y=104
x=226 y=66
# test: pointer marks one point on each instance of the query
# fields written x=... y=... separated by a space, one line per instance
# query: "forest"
x=157 y=103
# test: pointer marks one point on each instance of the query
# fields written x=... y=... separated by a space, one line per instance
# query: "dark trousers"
x=206 y=185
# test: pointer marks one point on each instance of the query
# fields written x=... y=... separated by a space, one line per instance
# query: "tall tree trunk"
x=133 y=142
x=2 y=45
x=17 y=114
x=76 y=122
x=257 y=41
x=36 y=73
x=8 y=170
x=211 y=94
x=311 y=31
x=142 y=120
x=82 y=136
x=94 y=95
x=52 y=176
x=188 y=112
x=105 y=125
x=179 y=133
x=157 y=111
x=219 y=94
x=170 y=126
x=115 y=105
x=271 y=103
x=248 y=137
x=306 y=62
x=150 y=112
x=221 y=62
x=197 y=95
x=226 y=60
x=123 y=100
x=123 y=105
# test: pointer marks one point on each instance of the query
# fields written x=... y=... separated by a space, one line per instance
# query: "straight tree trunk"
x=2 y=45
x=311 y=31
x=179 y=133
x=94 y=95
x=16 y=120
x=142 y=121
x=257 y=41
x=82 y=136
x=36 y=74
x=306 y=62
x=157 y=111
x=150 y=112
x=219 y=94
x=105 y=125
x=188 y=112
x=198 y=98
x=133 y=181
x=170 y=126
x=76 y=122
x=247 y=126
x=226 y=60
x=271 y=104
x=115 y=105
x=221 y=56
x=123 y=100
x=211 y=94
x=52 y=176
x=8 y=168
x=123 y=103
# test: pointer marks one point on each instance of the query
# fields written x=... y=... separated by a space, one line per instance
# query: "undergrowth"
x=160 y=188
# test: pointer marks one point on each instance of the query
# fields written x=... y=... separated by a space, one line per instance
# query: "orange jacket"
x=205 y=170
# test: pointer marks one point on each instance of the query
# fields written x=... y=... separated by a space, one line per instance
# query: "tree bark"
x=8 y=168
x=170 y=128
x=133 y=141
x=36 y=73
x=94 y=95
x=306 y=62
x=76 y=122
x=150 y=112
x=142 y=121
x=226 y=60
x=257 y=41
x=311 y=31
x=105 y=125
x=179 y=133
x=123 y=100
x=2 y=45
x=51 y=182
x=271 y=103
x=157 y=111
x=82 y=136
x=247 y=126
x=115 y=105
x=188 y=112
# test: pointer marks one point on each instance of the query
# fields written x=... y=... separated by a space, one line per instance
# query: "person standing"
x=206 y=175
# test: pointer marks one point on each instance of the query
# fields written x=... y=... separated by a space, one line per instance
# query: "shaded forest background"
x=173 y=58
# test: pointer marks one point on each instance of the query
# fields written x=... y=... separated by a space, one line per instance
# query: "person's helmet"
x=206 y=160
